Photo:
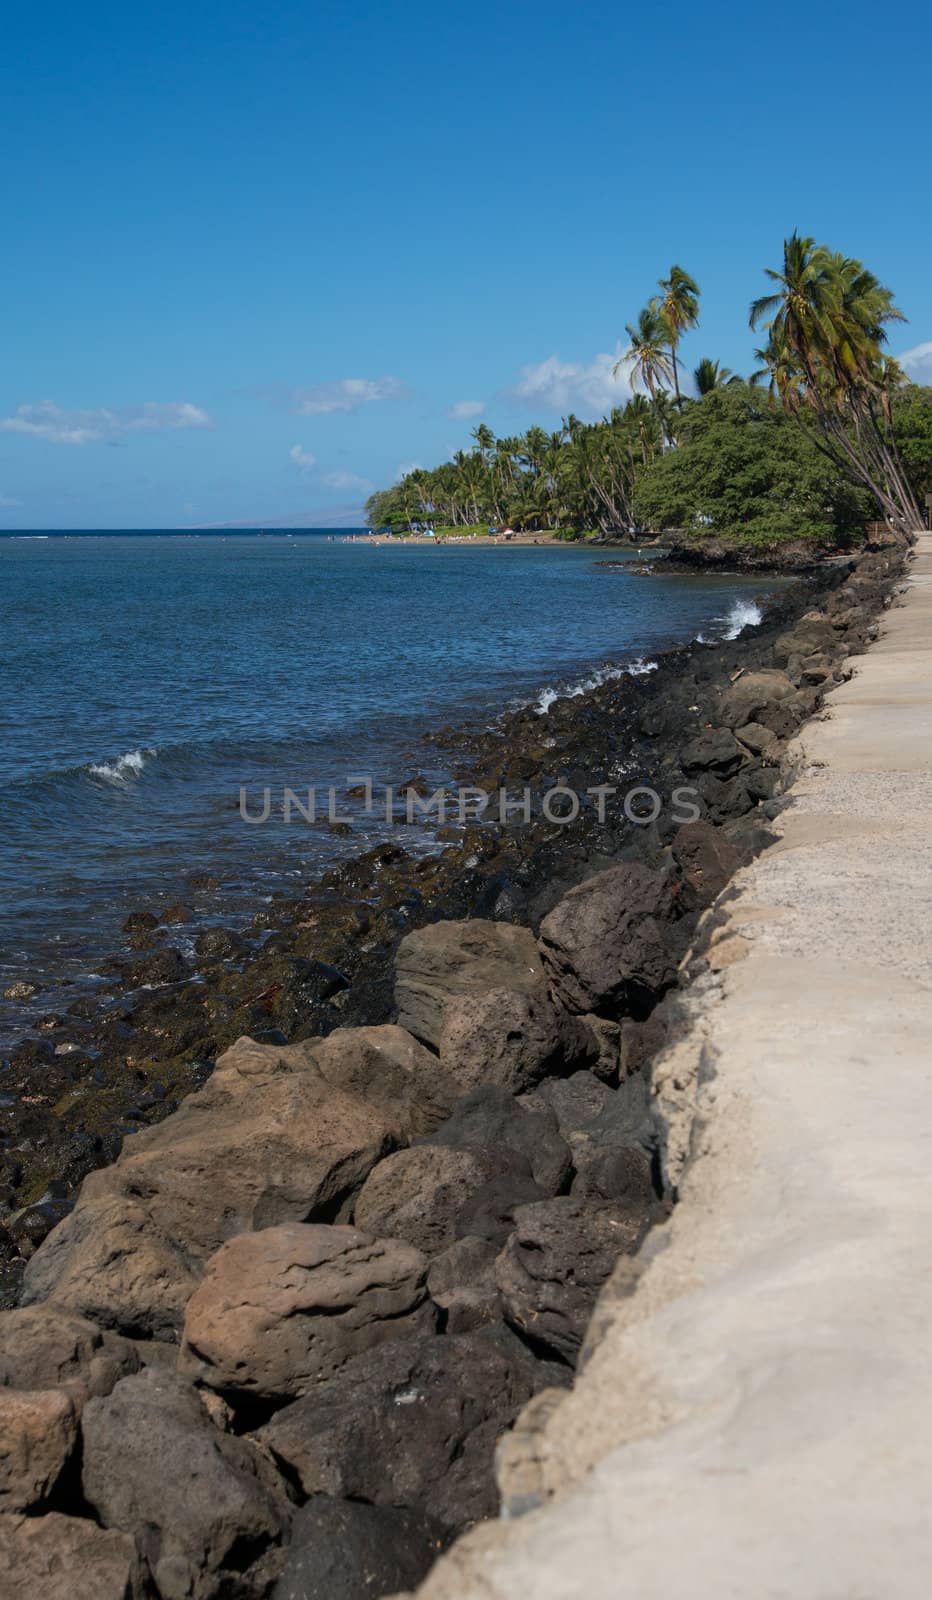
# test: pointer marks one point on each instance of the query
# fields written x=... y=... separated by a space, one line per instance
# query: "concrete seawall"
x=754 y=1420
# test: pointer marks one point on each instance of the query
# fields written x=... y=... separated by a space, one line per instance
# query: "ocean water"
x=145 y=678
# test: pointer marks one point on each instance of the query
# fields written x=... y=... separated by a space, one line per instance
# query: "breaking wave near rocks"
x=595 y=680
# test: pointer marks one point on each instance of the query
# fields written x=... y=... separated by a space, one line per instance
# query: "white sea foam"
x=743 y=614
x=634 y=669
x=129 y=765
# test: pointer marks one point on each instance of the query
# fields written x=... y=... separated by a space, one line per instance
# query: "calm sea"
x=145 y=678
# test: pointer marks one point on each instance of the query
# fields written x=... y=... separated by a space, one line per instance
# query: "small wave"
x=129 y=765
x=742 y=614
x=633 y=669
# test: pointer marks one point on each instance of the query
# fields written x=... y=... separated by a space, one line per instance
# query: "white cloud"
x=590 y=390
x=302 y=458
x=48 y=421
x=347 y=394
x=404 y=467
x=464 y=409
x=917 y=363
x=346 y=480
x=6 y=503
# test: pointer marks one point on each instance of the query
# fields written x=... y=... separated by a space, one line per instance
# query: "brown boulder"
x=267 y=1140
x=392 y=1071
x=38 y=1430
x=752 y=693
x=67 y=1558
x=509 y=1039
x=705 y=857
x=284 y=1309
x=419 y=1195
x=44 y=1346
x=109 y=1262
x=448 y=960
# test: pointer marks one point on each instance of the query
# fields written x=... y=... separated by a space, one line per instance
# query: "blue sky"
x=257 y=259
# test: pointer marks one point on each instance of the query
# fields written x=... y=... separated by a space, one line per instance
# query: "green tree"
x=826 y=326
x=647 y=358
x=709 y=375
x=677 y=306
x=912 y=419
x=745 y=475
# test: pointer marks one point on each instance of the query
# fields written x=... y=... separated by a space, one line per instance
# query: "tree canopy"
x=745 y=474
x=826 y=320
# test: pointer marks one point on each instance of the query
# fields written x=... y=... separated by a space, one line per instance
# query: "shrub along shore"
x=400 y=1145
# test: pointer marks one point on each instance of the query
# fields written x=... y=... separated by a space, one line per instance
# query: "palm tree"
x=678 y=309
x=709 y=375
x=484 y=437
x=825 y=323
x=647 y=358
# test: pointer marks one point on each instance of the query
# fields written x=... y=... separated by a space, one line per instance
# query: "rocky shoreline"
x=383 y=1163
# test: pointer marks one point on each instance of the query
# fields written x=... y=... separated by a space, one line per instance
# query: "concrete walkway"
x=755 y=1421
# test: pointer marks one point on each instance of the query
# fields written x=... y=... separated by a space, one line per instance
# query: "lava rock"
x=448 y=960
x=509 y=1038
x=461 y=1281
x=412 y=1424
x=715 y=750
x=418 y=1194
x=160 y=967
x=34 y=1225
x=218 y=944
x=21 y=990
x=706 y=859
x=554 y=1264
x=207 y=1509
x=607 y=943
x=391 y=1070
x=751 y=694
x=622 y=1174
x=43 y=1347
x=756 y=738
x=110 y=1263
x=284 y=1309
x=38 y=1432
x=267 y=1140
x=592 y=1115
x=342 y=1550
x=67 y=1558
x=490 y=1116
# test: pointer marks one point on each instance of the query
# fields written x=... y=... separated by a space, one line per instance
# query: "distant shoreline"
x=475 y=541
